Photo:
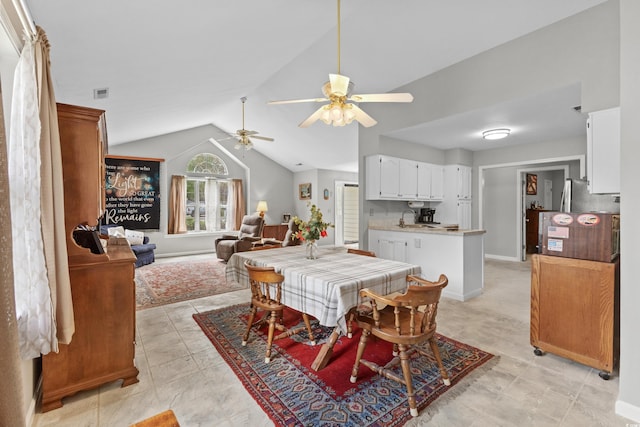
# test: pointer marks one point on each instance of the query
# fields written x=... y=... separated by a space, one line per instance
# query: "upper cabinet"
x=391 y=178
x=458 y=179
x=603 y=151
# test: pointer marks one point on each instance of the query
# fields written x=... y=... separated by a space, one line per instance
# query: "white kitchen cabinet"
x=382 y=177
x=388 y=246
x=391 y=178
x=430 y=181
x=459 y=255
x=603 y=151
x=464 y=214
x=408 y=179
x=437 y=182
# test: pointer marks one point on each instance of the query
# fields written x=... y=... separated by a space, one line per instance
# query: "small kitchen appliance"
x=426 y=216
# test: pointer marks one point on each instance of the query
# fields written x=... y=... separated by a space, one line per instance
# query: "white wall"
x=263 y=179
x=629 y=399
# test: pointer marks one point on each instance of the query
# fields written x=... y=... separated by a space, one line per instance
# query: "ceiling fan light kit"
x=493 y=134
x=337 y=92
x=242 y=135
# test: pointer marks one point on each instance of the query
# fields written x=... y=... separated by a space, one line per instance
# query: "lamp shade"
x=262 y=206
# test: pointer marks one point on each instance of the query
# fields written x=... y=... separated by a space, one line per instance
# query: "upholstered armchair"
x=250 y=232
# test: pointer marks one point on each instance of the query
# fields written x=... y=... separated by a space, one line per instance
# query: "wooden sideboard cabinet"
x=277 y=231
x=102 y=348
x=575 y=310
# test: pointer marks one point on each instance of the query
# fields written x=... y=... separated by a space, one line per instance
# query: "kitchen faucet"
x=401 y=224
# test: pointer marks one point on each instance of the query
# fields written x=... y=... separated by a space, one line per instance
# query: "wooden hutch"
x=102 y=349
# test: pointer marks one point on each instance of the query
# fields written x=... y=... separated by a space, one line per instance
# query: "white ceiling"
x=170 y=66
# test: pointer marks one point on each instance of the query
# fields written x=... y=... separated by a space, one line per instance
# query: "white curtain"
x=34 y=310
x=211 y=202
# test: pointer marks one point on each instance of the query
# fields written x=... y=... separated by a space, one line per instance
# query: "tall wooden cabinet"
x=532 y=222
x=575 y=310
x=102 y=285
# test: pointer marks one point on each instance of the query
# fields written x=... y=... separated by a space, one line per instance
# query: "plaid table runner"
x=328 y=287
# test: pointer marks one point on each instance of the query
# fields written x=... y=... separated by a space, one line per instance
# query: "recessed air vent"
x=101 y=93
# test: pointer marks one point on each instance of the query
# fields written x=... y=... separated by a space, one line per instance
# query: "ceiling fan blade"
x=382 y=97
x=264 y=138
x=296 y=101
x=247 y=132
x=312 y=118
x=363 y=118
x=339 y=84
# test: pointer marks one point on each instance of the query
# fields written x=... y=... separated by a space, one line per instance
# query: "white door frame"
x=517 y=210
x=339 y=210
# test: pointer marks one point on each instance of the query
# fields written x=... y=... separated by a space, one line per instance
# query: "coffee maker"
x=426 y=216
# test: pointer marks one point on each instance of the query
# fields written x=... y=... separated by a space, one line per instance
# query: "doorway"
x=541 y=197
x=347 y=213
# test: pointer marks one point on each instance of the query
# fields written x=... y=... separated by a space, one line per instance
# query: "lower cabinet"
x=575 y=310
x=277 y=231
x=102 y=349
x=459 y=255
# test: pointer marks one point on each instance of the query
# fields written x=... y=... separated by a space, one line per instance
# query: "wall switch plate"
x=417 y=243
x=370 y=211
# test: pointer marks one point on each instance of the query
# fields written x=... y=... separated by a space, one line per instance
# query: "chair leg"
x=252 y=315
x=307 y=322
x=361 y=345
x=406 y=373
x=272 y=328
x=436 y=354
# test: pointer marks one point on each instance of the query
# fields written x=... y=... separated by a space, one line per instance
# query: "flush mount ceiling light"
x=492 y=134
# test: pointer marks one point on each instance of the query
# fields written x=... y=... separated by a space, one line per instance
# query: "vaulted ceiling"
x=170 y=66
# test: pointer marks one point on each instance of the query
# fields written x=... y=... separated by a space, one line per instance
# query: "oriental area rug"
x=165 y=283
x=293 y=394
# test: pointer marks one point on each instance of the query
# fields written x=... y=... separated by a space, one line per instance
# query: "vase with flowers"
x=311 y=231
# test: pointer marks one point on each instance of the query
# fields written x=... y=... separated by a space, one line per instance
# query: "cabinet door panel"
x=389 y=177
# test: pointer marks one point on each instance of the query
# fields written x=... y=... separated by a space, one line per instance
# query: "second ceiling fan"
x=243 y=136
x=337 y=91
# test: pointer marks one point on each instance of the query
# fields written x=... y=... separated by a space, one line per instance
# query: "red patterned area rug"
x=293 y=394
x=165 y=283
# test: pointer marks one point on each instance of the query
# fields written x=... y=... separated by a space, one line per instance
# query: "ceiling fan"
x=337 y=91
x=244 y=136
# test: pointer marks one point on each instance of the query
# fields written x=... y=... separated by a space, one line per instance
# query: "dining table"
x=327 y=287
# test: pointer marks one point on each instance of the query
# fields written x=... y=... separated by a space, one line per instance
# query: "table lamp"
x=262 y=207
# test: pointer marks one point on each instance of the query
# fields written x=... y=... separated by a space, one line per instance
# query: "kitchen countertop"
x=426 y=229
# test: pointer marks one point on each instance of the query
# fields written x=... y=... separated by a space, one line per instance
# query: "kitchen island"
x=437 y=250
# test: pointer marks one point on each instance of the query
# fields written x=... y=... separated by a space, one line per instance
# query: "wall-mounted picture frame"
x=532 y=184
x=286 y=218
x=305 y=191
x=326 y=194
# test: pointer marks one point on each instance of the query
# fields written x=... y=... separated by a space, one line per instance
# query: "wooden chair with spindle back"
x=407 y=321
x=352 y=312
x=266 y=292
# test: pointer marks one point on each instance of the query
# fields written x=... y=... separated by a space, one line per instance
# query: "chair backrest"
x=361 y=252
x=289 y=239
x=415 y=310
x=251 y=226
x=266 y=284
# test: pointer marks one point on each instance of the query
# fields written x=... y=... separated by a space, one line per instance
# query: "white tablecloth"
x=328 y=287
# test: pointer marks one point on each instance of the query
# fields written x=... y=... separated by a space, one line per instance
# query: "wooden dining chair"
x=352 y=312
x=407 y=321
x=360 y=252
x=266 y=293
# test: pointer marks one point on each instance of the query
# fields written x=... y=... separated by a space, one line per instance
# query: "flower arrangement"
x=313 y=229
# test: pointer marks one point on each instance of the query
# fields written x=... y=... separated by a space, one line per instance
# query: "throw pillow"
x=134 y=237
x=116 y=231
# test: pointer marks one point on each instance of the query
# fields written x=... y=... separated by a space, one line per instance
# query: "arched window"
x=207 y=163
x=207 y=195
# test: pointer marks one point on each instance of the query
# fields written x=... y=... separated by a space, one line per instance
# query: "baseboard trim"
x=501 y=258
x=175 y=254
x=628 y=410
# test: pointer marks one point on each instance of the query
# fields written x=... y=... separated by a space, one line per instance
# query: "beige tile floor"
x=181 y=370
